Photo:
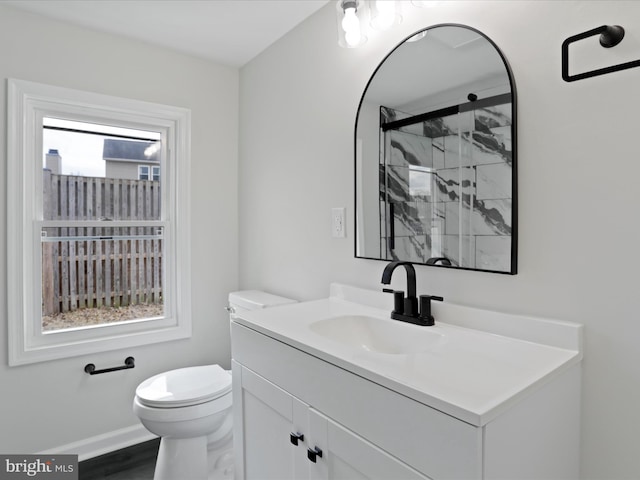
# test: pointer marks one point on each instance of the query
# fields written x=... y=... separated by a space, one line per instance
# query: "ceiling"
x=231 y=32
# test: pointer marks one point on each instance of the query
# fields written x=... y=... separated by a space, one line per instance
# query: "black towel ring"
x=610 y=36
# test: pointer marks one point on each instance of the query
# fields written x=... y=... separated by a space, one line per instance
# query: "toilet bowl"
x=191 y=410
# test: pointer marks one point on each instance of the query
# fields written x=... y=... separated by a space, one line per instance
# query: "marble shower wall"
x=446 y=185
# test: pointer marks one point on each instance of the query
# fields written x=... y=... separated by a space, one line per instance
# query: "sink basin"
x=378 y=335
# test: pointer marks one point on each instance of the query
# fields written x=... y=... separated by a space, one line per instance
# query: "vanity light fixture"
x=425 y=3
x=352 y=16
x=384 y=14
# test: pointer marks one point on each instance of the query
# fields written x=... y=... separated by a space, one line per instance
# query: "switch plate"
x=338 y=229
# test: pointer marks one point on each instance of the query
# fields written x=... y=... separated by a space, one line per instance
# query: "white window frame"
x=153 y=171
x=28 y=103
x=141 y=169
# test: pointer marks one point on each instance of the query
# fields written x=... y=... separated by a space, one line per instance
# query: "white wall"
x=579 y=254
x=47 y=405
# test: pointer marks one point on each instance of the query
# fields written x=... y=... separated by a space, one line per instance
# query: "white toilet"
x=191 y=410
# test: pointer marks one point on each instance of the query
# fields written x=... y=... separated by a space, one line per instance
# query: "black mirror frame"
x=514 y=149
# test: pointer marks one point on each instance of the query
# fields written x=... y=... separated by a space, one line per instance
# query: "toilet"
x=190 y=409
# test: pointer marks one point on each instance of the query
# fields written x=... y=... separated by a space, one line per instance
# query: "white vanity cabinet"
x=351 y=457
x=271 y=419
x=280 y=390
x=286 y=439
x=369 y=423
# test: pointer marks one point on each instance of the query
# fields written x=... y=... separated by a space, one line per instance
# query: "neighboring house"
x=131 y=159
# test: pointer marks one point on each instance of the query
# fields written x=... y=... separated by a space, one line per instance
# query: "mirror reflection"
x=435 y=157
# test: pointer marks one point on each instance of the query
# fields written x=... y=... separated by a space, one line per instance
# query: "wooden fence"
x=92 y=267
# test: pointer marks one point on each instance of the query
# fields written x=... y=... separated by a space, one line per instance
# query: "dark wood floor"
x=132 y=463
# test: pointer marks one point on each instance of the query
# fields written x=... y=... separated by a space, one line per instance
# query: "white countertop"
x=474 y=374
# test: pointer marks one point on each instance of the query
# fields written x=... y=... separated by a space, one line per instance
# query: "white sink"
x=472 y=364
x=377 y=335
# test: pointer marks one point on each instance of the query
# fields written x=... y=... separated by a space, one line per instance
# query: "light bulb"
x=352 y=38
x=386 y=14
x=351 y=27
x=426 y=3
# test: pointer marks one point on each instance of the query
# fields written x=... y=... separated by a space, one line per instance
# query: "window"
x=93 y=250
x=143 y=172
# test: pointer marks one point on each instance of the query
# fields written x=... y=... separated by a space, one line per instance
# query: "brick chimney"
x=54 y=161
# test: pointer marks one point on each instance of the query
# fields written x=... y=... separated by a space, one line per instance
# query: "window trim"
x=27 y=103
x=153 y=171
x=141 y=169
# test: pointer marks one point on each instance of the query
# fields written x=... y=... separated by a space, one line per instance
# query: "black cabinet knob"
x=294 y=437
x=313 y=454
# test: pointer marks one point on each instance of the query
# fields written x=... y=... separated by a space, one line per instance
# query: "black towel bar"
x=129 y=362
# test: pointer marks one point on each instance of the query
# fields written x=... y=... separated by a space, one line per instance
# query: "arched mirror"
x=436 y=154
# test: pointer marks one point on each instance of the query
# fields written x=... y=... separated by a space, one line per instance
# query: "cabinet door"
x=347 y=456
x=265 y=416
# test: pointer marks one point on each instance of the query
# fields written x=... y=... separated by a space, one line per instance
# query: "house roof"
x=128 y=150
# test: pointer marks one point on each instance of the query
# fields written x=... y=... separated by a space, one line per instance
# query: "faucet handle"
x=425 y=308
x=398 y=300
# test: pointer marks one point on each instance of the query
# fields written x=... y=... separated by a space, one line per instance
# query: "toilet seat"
x=184 y=387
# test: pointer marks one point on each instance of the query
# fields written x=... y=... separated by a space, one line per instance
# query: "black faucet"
x=406 y=309
x=441 y=260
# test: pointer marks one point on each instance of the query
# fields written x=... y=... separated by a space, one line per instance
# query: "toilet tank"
x=245 y=300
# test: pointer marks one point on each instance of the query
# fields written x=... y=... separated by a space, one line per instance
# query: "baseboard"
x=104 y=443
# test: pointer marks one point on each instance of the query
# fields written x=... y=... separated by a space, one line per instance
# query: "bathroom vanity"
x=335 y=389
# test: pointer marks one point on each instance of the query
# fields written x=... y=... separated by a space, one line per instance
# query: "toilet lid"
x=184 y=387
